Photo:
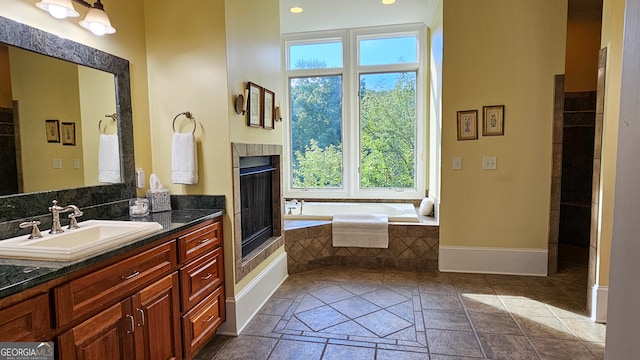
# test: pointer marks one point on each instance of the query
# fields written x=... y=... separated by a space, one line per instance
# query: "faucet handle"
x=35 y=232
x=73 y=223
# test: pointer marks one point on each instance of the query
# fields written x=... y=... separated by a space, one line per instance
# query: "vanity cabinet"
x=95 y=290
x=143 y=326
x=162 y=301
x=201 y=281
x=28 y=320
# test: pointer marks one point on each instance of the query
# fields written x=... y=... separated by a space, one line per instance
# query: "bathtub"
x=397 y=212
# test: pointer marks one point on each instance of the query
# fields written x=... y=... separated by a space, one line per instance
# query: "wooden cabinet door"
x=157 y=313
x=106 y=336
x=28 y=320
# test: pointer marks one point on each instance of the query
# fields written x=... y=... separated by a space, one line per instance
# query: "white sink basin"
x=92 y=237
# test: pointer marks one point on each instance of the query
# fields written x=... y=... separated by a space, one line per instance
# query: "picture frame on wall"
x=493 y=120
x=52 y=130
x=68 y=130
x=254 y=105
x=268 y=102
x=468 y=125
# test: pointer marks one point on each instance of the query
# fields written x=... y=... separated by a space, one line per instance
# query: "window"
x=354 y=104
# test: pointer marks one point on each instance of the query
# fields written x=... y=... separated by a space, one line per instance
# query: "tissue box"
x=159 y=199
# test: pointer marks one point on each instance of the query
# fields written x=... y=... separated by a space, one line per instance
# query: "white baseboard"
x=599 y=296
x=532 y=262
x=241 y=309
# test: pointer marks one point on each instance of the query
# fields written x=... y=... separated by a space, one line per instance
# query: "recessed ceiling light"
x=296 y=10
x=388 y=2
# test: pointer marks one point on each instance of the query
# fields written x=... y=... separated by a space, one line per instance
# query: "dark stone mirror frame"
x=35 y=205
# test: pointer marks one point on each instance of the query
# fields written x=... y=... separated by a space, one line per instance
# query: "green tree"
x=387 y=133
x=318 y=167
x=316 y=122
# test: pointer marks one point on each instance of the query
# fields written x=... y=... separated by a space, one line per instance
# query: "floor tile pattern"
x=359 y=313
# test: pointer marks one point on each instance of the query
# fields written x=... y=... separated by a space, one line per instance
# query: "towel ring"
x=113 y=117
x=189 y=116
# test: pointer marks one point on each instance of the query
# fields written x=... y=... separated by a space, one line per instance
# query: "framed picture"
x=53 y=131
x=68 y=130
x=254 y=105
x=269 y=109
x=493 y=120
x=468 y=125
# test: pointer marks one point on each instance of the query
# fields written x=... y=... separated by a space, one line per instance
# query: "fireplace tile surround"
x=244 y=266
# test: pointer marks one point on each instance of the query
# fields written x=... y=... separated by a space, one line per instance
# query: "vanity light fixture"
x=296 y=10
x=59 y=9
x=95 y=21
x=388 y=2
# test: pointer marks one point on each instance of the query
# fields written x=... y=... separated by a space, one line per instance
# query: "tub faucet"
x=56 y=210
x=290 y=204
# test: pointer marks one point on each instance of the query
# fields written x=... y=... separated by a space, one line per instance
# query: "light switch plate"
x=457 y=163
x=76 y=163
x=57 y=163
x=489 y=163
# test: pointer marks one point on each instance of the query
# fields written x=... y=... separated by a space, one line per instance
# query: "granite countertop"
x=17 y=275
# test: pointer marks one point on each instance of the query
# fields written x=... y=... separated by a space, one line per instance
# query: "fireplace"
x=257 y=205
x=256 y=200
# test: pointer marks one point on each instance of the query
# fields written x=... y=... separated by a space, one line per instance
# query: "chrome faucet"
x=289 y=205
x=56 y=210
x=293 y=204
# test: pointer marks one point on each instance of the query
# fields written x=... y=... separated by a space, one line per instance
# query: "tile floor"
x=356 y=313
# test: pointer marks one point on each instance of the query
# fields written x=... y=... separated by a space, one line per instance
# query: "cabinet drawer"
x=201 y=323
x=98 y=289
x=28 y=320
x=200 y=241
x=201 y=277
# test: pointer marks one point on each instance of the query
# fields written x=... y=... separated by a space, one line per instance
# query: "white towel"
x=360 y=230
x=184 y=160
x=108 y=158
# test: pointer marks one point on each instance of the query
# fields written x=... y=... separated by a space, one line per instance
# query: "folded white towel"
x=108 y=158
x=360 y=230
x=184 y=159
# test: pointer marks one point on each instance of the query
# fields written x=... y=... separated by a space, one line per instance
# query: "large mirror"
x=53 y=121
x=77 y=150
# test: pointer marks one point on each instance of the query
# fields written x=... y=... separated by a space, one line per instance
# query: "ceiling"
x=341 y=14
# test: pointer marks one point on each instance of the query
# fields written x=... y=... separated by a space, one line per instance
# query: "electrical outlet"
x=457 y=163
x=489 y=163
x=57 y=163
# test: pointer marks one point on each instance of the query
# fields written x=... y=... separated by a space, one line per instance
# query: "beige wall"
x=612 y=34
x=97 y=98
x=500 y=52
x=583 y=44
x=253 y=54
x=46 y=89
x=128 y=43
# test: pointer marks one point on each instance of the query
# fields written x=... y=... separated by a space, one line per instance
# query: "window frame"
x=350 y=73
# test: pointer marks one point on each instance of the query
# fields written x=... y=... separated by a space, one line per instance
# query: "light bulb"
x=97 y=29
x=57 y=12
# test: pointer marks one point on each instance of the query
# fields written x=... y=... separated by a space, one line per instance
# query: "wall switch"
x=76 y=163
x=457 y=163
x=57 y=163
x=489 y=163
